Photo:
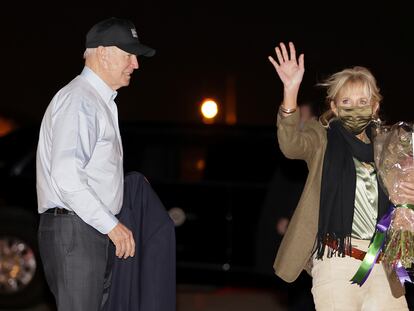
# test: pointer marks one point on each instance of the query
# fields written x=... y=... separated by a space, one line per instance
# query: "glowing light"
x=209 y=109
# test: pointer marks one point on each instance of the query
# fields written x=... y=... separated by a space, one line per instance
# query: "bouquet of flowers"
x=394 y=236
x=393 y=152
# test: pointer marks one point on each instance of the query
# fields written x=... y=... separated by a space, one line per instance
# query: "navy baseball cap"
x=117 y=32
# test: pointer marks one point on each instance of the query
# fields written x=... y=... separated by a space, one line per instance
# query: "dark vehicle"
x=212 y=179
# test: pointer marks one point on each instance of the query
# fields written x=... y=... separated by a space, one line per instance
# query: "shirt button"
x=371 y=201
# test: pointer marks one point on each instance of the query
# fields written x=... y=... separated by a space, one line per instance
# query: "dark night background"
x=200 y=45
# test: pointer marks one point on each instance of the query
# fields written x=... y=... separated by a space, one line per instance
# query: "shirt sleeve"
x=75 y=133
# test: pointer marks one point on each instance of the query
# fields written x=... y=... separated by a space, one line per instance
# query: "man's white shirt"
x=79 y=163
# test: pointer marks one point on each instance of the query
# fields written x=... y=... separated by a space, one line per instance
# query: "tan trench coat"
x=295 y=250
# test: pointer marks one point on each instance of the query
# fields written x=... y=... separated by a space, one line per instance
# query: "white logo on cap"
x=134 y=33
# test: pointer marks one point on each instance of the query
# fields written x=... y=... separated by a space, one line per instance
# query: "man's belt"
x=59 y=211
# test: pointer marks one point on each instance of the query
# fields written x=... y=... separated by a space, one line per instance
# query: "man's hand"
x=123 y=240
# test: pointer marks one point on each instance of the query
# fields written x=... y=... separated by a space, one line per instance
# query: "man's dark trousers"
x=74 y=257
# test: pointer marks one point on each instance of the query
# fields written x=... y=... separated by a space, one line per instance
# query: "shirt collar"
x=107 y=94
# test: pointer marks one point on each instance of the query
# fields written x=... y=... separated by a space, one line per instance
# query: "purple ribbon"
x=402 y=274
x=383 y=226
x=374 y=250
x=385 y=221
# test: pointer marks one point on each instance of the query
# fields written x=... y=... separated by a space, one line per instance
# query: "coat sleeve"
x=296 y=143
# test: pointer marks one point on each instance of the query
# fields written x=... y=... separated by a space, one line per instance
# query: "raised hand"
x=289 y=69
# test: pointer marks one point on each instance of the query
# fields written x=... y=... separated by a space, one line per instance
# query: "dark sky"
x=200 y=46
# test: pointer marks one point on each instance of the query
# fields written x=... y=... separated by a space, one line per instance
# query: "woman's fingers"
x=407 y=185
x=292 y=51
x=302 y=61
x=279 y=56
x=284 y=52
x=283 y=55
x=406 y=193
x=274 y=63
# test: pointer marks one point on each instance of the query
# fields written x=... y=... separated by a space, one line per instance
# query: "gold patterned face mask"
x=355 y=119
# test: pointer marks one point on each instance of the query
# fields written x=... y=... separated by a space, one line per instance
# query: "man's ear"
x=102 y=53
x=334 y=108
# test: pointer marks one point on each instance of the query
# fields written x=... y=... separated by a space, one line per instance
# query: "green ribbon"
x=407 y=205
x=369 y=260
x=375 y=247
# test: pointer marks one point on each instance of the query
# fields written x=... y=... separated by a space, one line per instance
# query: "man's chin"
x=127 y=81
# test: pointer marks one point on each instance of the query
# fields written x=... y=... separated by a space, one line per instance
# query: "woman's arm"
x=293 y=143
x=290 y=71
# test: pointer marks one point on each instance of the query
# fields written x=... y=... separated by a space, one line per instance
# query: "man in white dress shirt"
x=80 y=170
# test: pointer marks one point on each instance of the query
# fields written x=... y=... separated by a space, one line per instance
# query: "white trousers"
x=332 y=289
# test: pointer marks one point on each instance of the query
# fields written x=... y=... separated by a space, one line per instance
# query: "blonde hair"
x=346 y=78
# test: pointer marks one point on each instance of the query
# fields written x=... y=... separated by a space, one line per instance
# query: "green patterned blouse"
x=366 y=201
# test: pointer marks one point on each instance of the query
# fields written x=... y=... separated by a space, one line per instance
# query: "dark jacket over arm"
x=147 y=281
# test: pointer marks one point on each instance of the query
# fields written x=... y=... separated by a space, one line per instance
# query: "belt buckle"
x=59 y=211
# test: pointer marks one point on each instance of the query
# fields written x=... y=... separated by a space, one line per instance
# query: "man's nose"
x=134 y=62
